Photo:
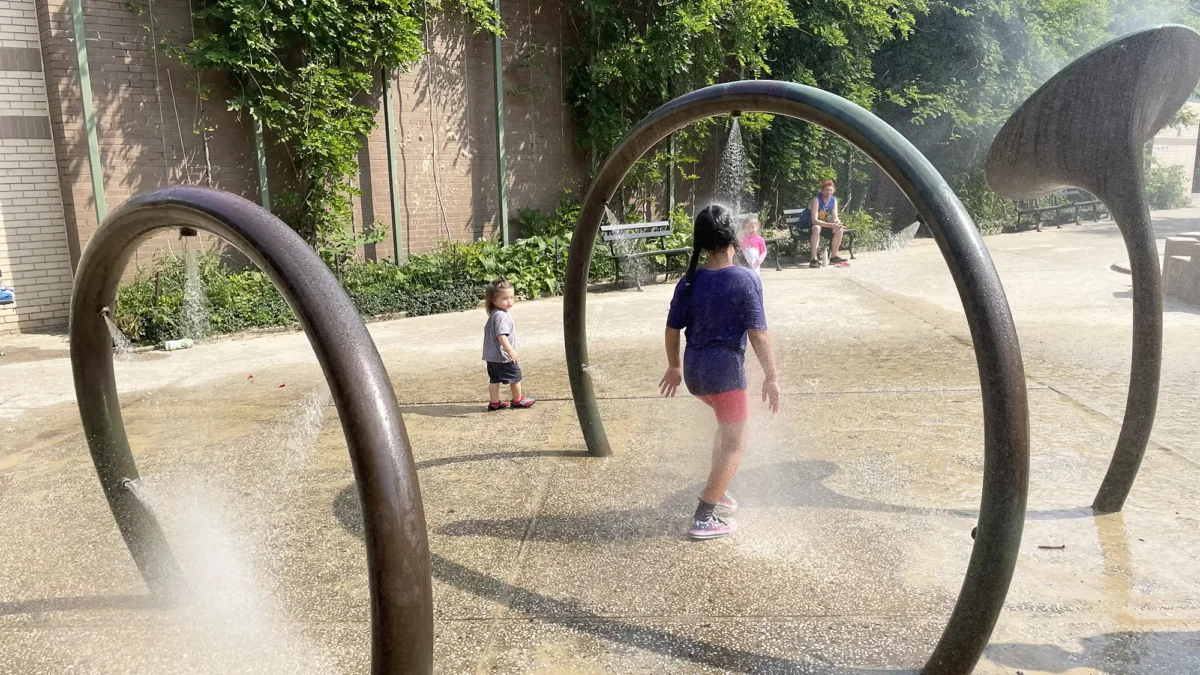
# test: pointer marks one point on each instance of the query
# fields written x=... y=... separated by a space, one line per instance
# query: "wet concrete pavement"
x=857 y=499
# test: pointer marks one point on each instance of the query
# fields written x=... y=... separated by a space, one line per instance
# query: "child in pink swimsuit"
x=754 y=247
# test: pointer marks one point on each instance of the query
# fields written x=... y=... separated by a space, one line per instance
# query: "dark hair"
x=493 y=290
x=714 y=231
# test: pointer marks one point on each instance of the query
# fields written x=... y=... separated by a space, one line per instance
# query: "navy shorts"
x=503 y=373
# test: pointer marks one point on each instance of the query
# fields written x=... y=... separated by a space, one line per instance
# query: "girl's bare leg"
x=494 y=392
x=516 y=391
x=728 y=448
x=836 y=244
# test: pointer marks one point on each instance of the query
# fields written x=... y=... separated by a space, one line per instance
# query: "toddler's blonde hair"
x=493 y=290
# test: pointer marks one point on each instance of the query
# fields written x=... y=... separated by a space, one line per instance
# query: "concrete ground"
x=858 y=498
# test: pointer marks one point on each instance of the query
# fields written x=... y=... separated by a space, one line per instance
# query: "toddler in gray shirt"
x=500 y=348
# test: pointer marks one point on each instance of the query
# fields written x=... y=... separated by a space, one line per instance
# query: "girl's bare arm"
x=508 y=348
x=761 y=341
x=674 y=375
x=672 y=340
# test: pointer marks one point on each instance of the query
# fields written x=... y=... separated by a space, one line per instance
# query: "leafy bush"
x=989 y=210
x=1165 y=188
x=561 y=223
x=151 y=308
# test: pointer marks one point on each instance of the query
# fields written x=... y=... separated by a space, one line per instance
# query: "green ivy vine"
x=306 y=69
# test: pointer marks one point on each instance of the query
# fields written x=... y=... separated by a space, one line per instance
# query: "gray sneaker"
x=712 y=528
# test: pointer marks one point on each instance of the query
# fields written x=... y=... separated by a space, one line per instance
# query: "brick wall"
x=1177 y=147
x=33 y=246
x=446 y=157
x=147 y=113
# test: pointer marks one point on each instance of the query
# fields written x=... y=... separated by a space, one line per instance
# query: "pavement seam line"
x=1119 y=423
x=485 y=659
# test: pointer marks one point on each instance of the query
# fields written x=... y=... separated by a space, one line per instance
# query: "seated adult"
x=823 y=210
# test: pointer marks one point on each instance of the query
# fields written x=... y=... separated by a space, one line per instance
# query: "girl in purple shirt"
x=720 y=308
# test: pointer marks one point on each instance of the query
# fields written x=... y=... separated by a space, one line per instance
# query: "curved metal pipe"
x=393 y=517
x=1056 y=139
x=998 y=355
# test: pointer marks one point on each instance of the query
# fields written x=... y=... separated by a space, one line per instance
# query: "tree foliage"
x=946 y=73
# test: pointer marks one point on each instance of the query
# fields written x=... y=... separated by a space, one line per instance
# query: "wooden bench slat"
x=616 y=227
x=626 y=236
x=647 y=254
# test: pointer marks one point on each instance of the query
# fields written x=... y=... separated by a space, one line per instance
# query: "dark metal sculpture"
x=1086 y=128
x=1002 y=375
x=393 y=518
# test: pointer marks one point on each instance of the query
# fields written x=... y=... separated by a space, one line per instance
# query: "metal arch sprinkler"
x=998 y=355
x=1086 y=128
x=393 y=517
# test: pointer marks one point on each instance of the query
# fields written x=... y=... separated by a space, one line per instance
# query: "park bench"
x=1083 y=199
x=621 y=237
x=1060 y=204
x=798 y=235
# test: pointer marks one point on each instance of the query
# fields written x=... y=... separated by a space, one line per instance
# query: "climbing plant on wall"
x=302 y=67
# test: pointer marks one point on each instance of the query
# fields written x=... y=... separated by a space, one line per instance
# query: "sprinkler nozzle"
x=187 y=232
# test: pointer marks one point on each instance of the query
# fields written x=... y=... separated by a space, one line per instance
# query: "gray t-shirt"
x=499 y=323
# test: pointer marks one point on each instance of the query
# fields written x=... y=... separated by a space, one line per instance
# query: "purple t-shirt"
x=715 y=314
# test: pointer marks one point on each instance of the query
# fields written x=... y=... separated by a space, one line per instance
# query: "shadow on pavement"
x=577 y=617
x=83 y=603
x=1128 y=653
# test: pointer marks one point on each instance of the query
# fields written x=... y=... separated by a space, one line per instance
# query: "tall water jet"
x=194 y=322
x=733 y=179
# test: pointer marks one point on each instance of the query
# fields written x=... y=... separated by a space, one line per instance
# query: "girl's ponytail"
x=713 y=231
x=695 y=258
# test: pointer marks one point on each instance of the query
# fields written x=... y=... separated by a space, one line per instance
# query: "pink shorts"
x=731 y=406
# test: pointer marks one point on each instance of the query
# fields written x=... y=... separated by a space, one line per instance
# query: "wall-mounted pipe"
x=260 y=153
x=89 y=111
x=501 y=163
x=393 y=179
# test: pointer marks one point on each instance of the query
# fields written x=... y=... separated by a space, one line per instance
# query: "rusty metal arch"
x=393 y=517
x=997 y=352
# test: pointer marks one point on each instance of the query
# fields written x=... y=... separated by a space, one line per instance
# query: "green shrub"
x=151 y=308
x=873 y=232
x=441 y=300
x=987 y=208
x=1165 y=188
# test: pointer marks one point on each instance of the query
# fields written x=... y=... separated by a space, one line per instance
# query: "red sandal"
x=525 y=402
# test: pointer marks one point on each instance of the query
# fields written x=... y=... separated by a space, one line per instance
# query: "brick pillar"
x=34 y=254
